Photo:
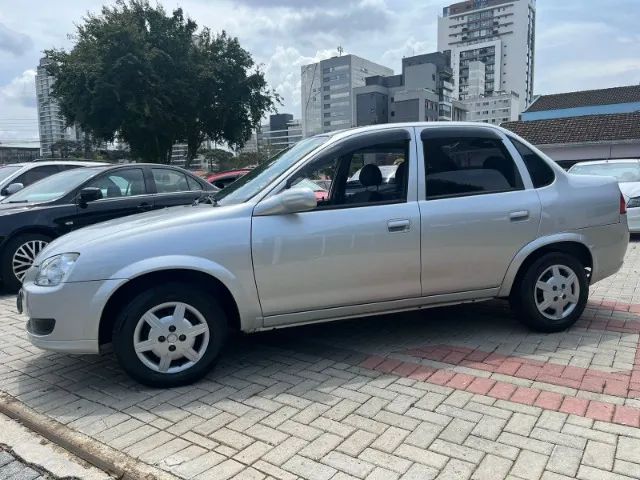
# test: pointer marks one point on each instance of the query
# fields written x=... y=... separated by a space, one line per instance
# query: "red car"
x=223 y=179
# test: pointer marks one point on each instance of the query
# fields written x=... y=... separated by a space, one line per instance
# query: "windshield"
x=249 y=185
x=52 y=187
x=6 y=172
x=622 y=171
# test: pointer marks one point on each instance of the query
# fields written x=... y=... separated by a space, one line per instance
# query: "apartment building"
x=327 y=91
x=498 y=33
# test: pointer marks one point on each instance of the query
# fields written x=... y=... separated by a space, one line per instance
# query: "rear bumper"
x=633 y=219
x=608 y=245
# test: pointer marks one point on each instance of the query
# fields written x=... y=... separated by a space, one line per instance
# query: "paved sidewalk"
x=462 y=392
x=13 y=468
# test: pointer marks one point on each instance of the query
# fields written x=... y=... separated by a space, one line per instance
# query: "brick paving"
x=13 y=468
x=462 y=392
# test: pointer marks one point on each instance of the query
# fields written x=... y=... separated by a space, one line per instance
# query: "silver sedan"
x=471 y=212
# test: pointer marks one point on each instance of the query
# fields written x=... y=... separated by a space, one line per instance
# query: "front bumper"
x=76 y=309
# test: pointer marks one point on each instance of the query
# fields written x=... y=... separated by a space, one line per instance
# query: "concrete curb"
x=97 y=454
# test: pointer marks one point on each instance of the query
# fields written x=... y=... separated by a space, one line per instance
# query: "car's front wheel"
x=18 y=256
x=552 y=293
x=169 y=335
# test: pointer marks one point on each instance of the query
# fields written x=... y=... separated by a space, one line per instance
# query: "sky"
x=580 y=44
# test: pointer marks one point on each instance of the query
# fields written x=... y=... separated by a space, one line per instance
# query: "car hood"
x=630 y=189
x=142 y=227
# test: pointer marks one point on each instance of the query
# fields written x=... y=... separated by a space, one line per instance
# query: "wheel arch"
x=571 y=244
x=129 y=289
x=32 y=229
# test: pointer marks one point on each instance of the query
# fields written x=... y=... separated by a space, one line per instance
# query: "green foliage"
x=152 y=79
x=250 y=159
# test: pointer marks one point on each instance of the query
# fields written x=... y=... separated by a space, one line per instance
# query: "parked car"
x=476 y=213
x=627 y=173
x=34 y=216
x=15 y=176
x=222 y=179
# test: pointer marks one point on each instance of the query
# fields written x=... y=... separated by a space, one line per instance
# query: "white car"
x=627 y=173
x=474 y=213
x=15 y=176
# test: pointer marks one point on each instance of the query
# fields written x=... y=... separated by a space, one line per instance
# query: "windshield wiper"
x=206 y=198
x=18 y=201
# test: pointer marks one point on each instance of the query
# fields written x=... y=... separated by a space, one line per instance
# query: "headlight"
x=55 y=269
x=633 y=202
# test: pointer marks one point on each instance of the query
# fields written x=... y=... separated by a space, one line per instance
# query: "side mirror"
x=293 y=200
x=89 y=194
x=13 y=188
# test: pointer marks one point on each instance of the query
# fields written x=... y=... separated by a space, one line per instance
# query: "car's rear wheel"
x=169 y=335
x=18 y=256
x=552 y=293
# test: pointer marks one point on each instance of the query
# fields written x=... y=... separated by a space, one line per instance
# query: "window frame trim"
x=422 y=133
x=412 y=193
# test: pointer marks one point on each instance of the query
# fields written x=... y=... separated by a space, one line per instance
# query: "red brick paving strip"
x=621 y=384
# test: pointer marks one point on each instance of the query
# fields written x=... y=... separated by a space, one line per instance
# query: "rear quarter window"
x=540 y=172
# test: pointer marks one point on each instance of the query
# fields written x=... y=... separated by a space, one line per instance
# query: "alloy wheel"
x=171 y=337
x=24 y=257
x=557 y=292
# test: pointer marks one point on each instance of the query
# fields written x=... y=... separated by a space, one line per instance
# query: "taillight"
x=623 y=205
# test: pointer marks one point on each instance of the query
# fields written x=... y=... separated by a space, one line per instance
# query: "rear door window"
x=466 y=165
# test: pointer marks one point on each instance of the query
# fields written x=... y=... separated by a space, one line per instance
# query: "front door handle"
x=399 y=225
x=519 y=215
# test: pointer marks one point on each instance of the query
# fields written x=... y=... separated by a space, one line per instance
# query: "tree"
x=218 y=159
x=152 y=79
x=66 y=149
x=250 y=159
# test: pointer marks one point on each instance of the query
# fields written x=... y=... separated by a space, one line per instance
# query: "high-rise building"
x=327 y=92
x=281 y=132
x=498 y=33
x=51 y=123
x=422 y=92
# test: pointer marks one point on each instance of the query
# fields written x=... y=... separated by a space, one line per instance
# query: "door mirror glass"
x=293 y=200
x=13 y=188
x=90 y=194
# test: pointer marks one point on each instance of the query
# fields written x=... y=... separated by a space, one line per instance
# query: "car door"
x=477 y=206
x=124 y=192
x=174 y=187
x=361 y=245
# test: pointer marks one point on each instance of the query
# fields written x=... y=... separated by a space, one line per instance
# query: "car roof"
x=384 y=126
x=54 y=162
x=611 y=160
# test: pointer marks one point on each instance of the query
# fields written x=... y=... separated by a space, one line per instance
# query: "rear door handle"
x=519 y=215
x=399 y=225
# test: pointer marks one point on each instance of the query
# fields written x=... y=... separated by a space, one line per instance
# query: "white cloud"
x=18 y=119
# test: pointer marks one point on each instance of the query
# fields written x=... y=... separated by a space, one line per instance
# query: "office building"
x=327 y=91
x=51 y=124
x=498 y=33
x=281 y=132
x=422 y=92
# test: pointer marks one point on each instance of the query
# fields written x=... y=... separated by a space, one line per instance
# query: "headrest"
x=370 y=175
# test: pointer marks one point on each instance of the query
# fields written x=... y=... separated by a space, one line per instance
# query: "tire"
x=193 y=353
x=565 y=306
x=17 y=256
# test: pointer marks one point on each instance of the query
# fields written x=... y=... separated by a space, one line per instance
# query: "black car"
x=34 y=216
